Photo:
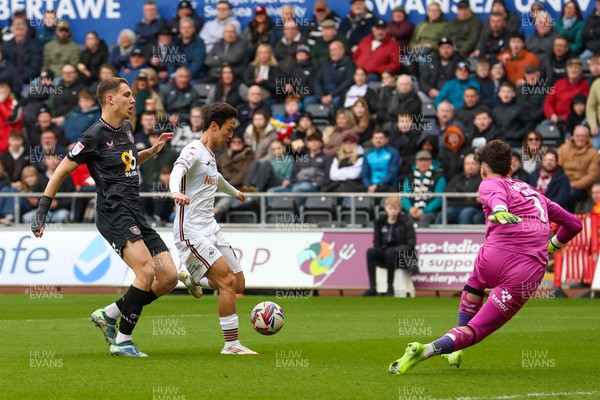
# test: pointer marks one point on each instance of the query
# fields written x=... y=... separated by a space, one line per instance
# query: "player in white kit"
x=203 y=249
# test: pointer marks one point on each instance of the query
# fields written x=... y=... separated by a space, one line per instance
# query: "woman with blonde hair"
x=263 y=71
x=334 y=135
x=346 y=169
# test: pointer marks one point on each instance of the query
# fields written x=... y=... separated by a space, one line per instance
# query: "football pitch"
x=329 y=348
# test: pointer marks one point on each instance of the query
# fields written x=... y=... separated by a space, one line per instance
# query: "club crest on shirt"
x=130 y=136
x=135 y=230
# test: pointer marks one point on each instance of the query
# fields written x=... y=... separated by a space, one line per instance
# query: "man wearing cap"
x=441 y=68
x=301 y=73
x=148 y=27
x=531 y=97
x=358 y=23
x=335 y=76
x=454 y=89
x=420 y=205
x=400 y=28
x=541 y=42
x=329 y=33
x=555 y=66
x=23 y=52
x=377 y=52
x=212 y=32
x=137 y=62
x=191 y=48
x=258 y=31
x=229 y=50
x=61 y=50
x=558 y=103
x=495 y=41
x=516 y=58
x=465 y=29
x=315 y=26
x=185 y=10
x=163 y=54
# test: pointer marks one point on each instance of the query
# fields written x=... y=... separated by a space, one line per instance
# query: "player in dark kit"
x=108 y=149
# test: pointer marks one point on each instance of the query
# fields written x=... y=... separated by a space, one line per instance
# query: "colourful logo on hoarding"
x=93 y=263
x=319 y=259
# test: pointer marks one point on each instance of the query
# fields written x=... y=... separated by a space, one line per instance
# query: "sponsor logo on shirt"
x=77 y=148
x=209 y=180
x=130 y=163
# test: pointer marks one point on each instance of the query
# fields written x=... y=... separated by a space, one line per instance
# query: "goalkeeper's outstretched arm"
x=569 y=226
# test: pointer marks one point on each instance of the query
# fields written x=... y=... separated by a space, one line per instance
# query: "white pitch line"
x=87 y=319
x=522 y=396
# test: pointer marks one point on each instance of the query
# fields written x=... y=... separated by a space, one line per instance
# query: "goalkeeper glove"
x=554 y=245
x=502 y=216
x=39 y=220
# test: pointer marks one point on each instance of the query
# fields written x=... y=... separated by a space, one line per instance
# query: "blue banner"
x=108 y=17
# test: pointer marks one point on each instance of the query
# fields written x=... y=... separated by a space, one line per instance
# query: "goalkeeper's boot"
x=107 y=325
x=126 y=349
x=412 y=356
x=193 y=289
x=454 y=358
x=238 y=349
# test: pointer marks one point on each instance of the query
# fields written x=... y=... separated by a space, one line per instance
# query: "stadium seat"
x=322 y=115
x=282 y=210
x=550 y=133
x=375 y=85
x=241 y=217
x=203 y=90
x=363 y=210
x=316 y=208
x=428 y=110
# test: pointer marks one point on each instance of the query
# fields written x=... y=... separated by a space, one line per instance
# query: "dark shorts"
x=123 y=224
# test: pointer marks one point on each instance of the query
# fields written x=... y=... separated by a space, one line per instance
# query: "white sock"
x=121 y=337
x=230 y=325
x=204 y=283
x=112 y=311
x=429 y=351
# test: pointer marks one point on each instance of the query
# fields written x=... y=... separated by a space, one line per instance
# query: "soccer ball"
x=267 y=318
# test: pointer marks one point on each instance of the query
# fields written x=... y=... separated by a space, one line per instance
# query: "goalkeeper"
x=511 y=262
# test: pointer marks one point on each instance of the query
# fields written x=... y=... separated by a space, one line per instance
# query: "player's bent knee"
x=240 y=283
x=145 y=274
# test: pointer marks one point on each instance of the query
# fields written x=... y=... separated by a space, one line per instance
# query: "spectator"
x=105 y=72
x=258 y=31
x=516 y=58
x=493 y=40
x=146 y=99
x=158 y=207
x=300 y=77
x=484 y=128
x=253 y=104
x=148 y=27
x=62 y=50
x=179 y=96
x=570 y=26
x=24 y=53
x=43 y=123
x=191 y=47
x=581 y=163
x=516 y=166
x=381 y=164
x=441 y=69
x=11 y=75
x=151 y=168
x=7 y=204
x=453 y=152
x=90 y=59
x=11 y=115
x=311 y=172
x=259 y=134
x=47 y=31
x=464 y=210
x=454 y=89
x=541 y=42
x=596 y=198
x=591 y=33
x=529 y=19
x=555 y=66
x=64 y=99
x=509 y=19
x=145 y=126
x=15 y=158
x=315 y=26
x=212 y=32
x=228 y=88
x=508 y=114
x=346 y=169
x=320 y=50
x=48 y=144
x=272 y=171
x=119 y=55
x=264 y=71
x=428 y=33
x=163 y=54
x=403 y=100
x=82 y=117
x=445 y=119
x=592 y=112
x=29 y=178
x=364 y=121
x=531 y=97
x=335 y=75
x=466 y=113
x=550 y=180
x=377 y=52
x=532 y=151
x=304 y=129
x=465 y=30
x=137 y=62
x=229 y=50
x=487 y=90
x=185 y=10
x=286 y=14
x=558 y=102
x=594 y=67
x=577 y=115
x=285 y=48
x=360 y=90
x=20 y=15
x=405 y=139
x=497 y=76
x=357 y=24
x=401 y=29
x=421 y=206
x=333 y=136
x=431 y=144
x=394 y=238
x=185 y=133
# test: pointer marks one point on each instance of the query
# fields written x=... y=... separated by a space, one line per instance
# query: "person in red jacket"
x=377 y=52
x=11 y=115
x=558 y=103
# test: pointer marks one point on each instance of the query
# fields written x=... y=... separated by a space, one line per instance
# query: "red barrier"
x=576 y=262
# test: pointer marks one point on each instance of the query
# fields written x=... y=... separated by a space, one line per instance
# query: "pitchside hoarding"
x=271 y=259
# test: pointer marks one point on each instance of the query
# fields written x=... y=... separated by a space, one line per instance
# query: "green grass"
x=329 y=348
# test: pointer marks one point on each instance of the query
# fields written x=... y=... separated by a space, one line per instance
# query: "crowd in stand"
x=336 y=104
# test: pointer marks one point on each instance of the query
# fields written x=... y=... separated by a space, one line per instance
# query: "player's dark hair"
x=218 y=113
x=108 y=86
x=497 y=155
